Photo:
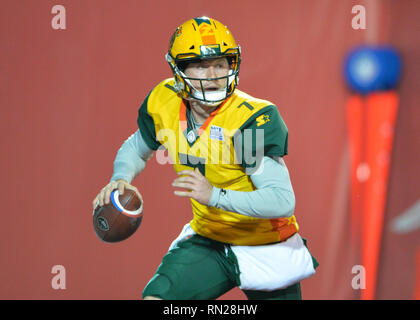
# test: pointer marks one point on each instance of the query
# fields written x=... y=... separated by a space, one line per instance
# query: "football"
x=120 y=218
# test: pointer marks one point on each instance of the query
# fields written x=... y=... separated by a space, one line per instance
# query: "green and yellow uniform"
x=219 y=150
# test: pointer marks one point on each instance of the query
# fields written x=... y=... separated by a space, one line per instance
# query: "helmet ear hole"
x=231 y=61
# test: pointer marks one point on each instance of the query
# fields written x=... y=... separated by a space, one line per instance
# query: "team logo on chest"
x=191 y=136
x=216 y=133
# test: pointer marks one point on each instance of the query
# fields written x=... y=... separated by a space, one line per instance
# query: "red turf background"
x=69 y=98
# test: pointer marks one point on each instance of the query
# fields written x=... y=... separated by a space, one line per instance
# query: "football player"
x=227 y=148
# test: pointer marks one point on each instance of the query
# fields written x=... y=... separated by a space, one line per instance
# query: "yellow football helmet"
x=198 y=39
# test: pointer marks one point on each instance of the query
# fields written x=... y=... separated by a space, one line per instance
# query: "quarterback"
x=227 y=148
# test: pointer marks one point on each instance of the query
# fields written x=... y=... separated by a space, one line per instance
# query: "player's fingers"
x=108 y=191
x=197 y=172
x=187 y=173
x=140 y=196
x=95 y=202
x=183 y=193
x=199 y=175
x=101 y=197
x=182 y=185
x=138 y=193
x=121 y=187
x=185 y=179
x=131 y=187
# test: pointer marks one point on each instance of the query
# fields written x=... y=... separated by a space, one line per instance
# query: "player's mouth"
x=211 y=89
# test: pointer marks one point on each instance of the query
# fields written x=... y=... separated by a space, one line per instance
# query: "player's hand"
x=103 y=197
x=199 y=188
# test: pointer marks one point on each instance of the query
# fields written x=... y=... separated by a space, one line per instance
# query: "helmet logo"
x=212 y=50
x=178 y=31
x=207 y=34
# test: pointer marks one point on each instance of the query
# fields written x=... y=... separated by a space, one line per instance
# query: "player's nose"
x=211 y=72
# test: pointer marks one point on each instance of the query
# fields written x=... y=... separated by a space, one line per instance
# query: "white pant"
x=268 y=267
